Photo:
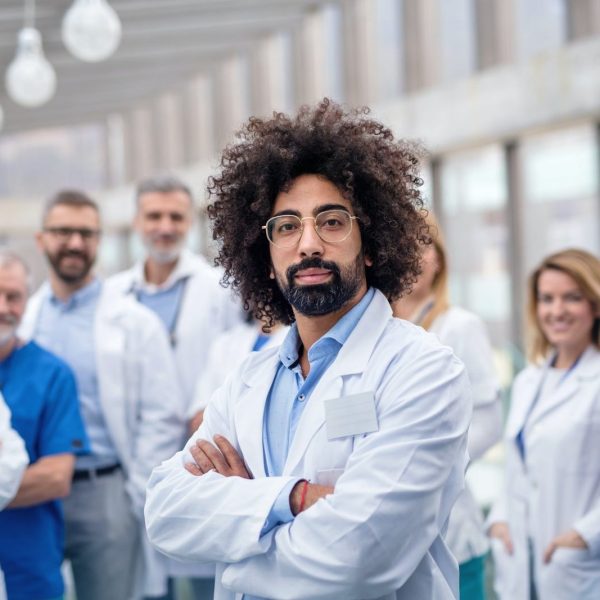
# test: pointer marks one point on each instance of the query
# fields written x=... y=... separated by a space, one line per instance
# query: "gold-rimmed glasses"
x=332 y=226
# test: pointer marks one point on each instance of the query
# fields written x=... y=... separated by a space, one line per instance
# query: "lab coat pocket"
x=579 y=446
x=505 y=571
x=572 y=573
x=328 y=476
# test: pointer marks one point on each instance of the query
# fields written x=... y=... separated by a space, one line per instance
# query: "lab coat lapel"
x=351 y=359
x=525 y=397
x=250 y=413
x=117 y=389
x=28 y=326
x=569 y=386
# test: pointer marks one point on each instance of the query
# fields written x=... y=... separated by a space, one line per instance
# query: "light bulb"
x=30 y=78
x=91 y=30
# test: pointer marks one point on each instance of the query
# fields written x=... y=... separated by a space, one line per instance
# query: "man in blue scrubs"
x=40 y=391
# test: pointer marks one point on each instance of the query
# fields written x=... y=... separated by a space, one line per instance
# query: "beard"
x=71 y=275
x=8 y=329
x=163 y=256
x=323 y=298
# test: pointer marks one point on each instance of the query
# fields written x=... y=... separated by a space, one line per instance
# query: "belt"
x=88 y=474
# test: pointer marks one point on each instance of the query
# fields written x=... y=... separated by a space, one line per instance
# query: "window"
x=474 y=203
x=560 y=192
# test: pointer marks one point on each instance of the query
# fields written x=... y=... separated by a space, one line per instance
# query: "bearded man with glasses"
x=129 y=400
x=326 y=468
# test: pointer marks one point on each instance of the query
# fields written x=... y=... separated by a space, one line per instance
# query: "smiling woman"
x=551 y=546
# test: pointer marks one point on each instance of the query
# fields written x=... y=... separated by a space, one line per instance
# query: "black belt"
x=93 y=473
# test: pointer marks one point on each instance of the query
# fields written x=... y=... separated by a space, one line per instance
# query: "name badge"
x=350 y=415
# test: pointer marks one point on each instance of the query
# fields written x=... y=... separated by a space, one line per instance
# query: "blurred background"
x=505 y=95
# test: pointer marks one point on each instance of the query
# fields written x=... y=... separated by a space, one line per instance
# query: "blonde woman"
x=545 y=529
x=427 y=305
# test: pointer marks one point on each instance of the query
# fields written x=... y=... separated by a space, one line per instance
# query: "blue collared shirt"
x=291 y=391
x=288 y=396
x=67 y=330
x=165 y=302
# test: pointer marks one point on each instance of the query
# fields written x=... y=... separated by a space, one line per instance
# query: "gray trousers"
x=102 y=538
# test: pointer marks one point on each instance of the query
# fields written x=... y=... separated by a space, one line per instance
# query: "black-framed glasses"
x=64 y=234
x=332 y=226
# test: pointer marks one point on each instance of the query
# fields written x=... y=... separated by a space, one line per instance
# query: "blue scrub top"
x=41 y=393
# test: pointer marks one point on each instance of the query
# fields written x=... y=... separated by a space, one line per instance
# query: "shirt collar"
x=183 y=268
x=331 y=341
x=85 y=295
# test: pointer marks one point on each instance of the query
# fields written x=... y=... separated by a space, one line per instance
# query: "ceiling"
x=165 y=42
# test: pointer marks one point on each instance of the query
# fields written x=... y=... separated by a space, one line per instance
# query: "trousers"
x=101 y=538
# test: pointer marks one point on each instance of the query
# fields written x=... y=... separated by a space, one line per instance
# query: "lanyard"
x=172 y=331
x=420 y=316
x=520 y=437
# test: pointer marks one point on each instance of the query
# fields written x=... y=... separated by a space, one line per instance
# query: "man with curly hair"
x=326 y=468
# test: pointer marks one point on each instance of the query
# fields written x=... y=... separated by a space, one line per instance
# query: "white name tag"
x=350 y=415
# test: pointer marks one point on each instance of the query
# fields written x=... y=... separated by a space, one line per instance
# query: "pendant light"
x=91 y=30
x=30 y=79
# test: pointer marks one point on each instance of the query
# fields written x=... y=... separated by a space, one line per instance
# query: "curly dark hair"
x=375 y=173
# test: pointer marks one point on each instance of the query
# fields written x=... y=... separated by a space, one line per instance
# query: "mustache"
x=171 y=237
x=8 y=320
x=72 y=253
x=311 y=263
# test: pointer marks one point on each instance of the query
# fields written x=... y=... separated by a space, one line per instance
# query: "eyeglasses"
x=332 y=226
x=64 y=234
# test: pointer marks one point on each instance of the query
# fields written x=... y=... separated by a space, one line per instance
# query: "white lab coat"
x=13 y=457
x=227 y=353
x=13 y=462
x=206 y=310
x=465 y=333
x=557 y=489
x=378 y=535
x=141 y=400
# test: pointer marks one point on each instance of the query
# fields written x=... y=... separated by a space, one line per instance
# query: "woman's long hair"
x=439 y=287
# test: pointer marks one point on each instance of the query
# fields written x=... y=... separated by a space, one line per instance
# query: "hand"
x=196 y=421
x=568 y=539
x=221 y=457
x=313 y=493
x=501 y=531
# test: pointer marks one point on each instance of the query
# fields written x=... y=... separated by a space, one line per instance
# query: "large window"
x=560 y=192
x=38 y=163
x=541 y=25
x=474 y=205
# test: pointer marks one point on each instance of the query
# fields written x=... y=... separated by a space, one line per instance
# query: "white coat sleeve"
x=160 y=427
x=13 y=457
x=211 y=517
x=468 y=339
x=389 y=505
x=210 y=377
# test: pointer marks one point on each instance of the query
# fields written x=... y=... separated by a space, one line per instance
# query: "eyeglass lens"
x=65 y=233
x=331 y=226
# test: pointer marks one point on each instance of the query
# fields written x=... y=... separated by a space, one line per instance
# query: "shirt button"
x=301 y=397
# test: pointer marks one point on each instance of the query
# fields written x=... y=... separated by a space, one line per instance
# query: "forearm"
x=185 y=513
x=47 y=479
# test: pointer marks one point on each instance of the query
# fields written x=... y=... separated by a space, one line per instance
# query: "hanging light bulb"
x=91 y=30
x=30 y=79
